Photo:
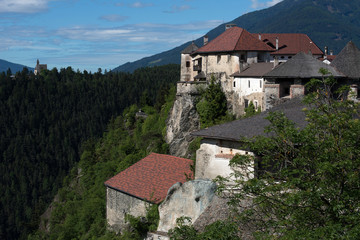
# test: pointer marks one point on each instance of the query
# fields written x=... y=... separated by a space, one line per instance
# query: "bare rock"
x=183 y=120
x=189 y=199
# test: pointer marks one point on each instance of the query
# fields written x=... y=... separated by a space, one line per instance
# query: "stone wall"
x=118 y=205
x=297 y=91
x=272 y=94
x=186 y=69
x=213 y=157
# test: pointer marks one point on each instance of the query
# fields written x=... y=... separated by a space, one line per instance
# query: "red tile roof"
x=234 y=39
x=290 y=43
x=151 y=177
x=328 y=57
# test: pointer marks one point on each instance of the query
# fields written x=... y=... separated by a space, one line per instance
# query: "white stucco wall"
x=213 y=157
x=246 y=86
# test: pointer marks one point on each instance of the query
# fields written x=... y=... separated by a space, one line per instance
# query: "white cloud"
x=141 y=5
x=92 y=34
x=145 y=32
x=23 y=6
x=114 y=18
x=176 y=9
x=256 y=4
x=272 y=3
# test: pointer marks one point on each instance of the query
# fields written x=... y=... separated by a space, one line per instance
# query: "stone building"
x=39 y=67
x=348 y=63
x=142 y=184
x=248 y=85
x=236 y=50
x=220 y=143
x=288 y=80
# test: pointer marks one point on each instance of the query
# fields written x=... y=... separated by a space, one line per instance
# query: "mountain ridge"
x=327 y=22
x=14 y=67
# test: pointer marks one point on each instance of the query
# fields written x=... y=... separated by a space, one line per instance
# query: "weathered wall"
x=183 y=118
x=251 y=89
x=272 y=94
x=118 y=204
x=186 y=71
x=189 y=199
x=297 y=91
x=213 y=157
x=226 y=63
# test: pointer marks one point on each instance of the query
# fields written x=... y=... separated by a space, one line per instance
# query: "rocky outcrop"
x=189 y=199
x=183 y=118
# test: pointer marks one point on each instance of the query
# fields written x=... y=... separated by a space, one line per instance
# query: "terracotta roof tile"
x=151 y=177
x=234 y=39
x=290 y=43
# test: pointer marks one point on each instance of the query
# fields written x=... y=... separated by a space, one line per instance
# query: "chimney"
x=277 y=43
x=326 y=50
x=206 y=40
x=276 y=61
x=230 y=25
x=241 y=65
x=331 y=52
x=259 y=36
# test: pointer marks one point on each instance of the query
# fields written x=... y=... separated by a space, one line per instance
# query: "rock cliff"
x=189 y=199
x=183 y=118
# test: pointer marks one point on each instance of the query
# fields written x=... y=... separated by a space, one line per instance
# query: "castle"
x=266 y=69
x=240 y=61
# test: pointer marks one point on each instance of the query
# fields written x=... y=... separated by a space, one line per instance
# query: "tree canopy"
x=308 y=180
x=45 y=121
x=212 y=105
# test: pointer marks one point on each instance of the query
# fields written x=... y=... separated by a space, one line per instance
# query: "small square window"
x=187 y=64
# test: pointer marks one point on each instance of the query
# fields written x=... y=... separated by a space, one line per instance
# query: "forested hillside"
x=44 y=121
x=14 y=67
x=80 y=212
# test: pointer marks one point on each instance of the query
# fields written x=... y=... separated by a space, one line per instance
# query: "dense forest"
x=80 y=209
x=46 y=123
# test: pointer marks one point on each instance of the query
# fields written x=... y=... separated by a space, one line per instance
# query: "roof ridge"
x=238 y=40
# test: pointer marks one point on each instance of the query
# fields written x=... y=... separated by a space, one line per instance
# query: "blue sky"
x=92 y=34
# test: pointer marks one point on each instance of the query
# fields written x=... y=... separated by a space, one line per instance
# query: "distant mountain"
x=5 y=65
x=330 y=23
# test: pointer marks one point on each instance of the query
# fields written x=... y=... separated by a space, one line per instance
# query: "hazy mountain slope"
x=329 y=23
x=5 y=65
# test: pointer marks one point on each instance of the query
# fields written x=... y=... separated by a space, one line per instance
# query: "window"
x=246 y=103
x=234 y=83
x=228 y=58
x=255 y=104
x=249 y=83
x=289 y=57
x=218 y=58
x=187 y=64
x=260 y=84
x=282 y=57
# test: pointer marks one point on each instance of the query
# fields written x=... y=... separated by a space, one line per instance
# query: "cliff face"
x=183 y=118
